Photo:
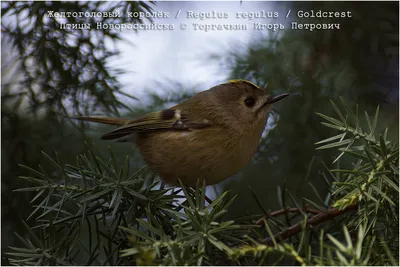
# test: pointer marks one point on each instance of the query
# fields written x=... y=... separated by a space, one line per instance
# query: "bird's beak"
x=275 y=98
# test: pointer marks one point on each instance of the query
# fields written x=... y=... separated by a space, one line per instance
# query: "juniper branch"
x=317 y=219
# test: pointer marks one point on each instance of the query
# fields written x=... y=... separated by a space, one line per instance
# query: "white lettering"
x=323 y=14
x=315 y=26
x=207 y=15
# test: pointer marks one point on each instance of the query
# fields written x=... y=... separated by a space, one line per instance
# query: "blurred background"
x=50 y=73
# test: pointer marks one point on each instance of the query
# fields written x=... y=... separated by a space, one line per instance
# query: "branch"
x=287 y=210
x=317 y=219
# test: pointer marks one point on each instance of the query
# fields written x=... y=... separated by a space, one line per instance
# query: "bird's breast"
x=211 y=154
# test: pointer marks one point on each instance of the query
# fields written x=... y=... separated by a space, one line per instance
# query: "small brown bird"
x=209 y=137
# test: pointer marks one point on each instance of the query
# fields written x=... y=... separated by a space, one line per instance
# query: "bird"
x=207 y=138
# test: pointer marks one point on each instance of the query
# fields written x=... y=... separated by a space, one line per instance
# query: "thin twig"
x=314 y=220
x=287 y=210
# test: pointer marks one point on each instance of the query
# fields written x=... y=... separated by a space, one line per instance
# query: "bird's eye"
x=249 y=101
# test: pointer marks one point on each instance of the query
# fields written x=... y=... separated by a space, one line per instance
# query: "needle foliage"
x=127 y=218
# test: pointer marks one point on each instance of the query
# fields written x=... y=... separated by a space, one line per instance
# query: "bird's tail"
x=104 y=120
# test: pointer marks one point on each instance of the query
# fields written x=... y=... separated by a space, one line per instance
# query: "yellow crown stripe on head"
x=244 y=81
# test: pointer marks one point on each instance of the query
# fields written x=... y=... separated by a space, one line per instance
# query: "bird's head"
x=244 y=102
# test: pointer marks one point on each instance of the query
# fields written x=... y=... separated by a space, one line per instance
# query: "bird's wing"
x=169 y=119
